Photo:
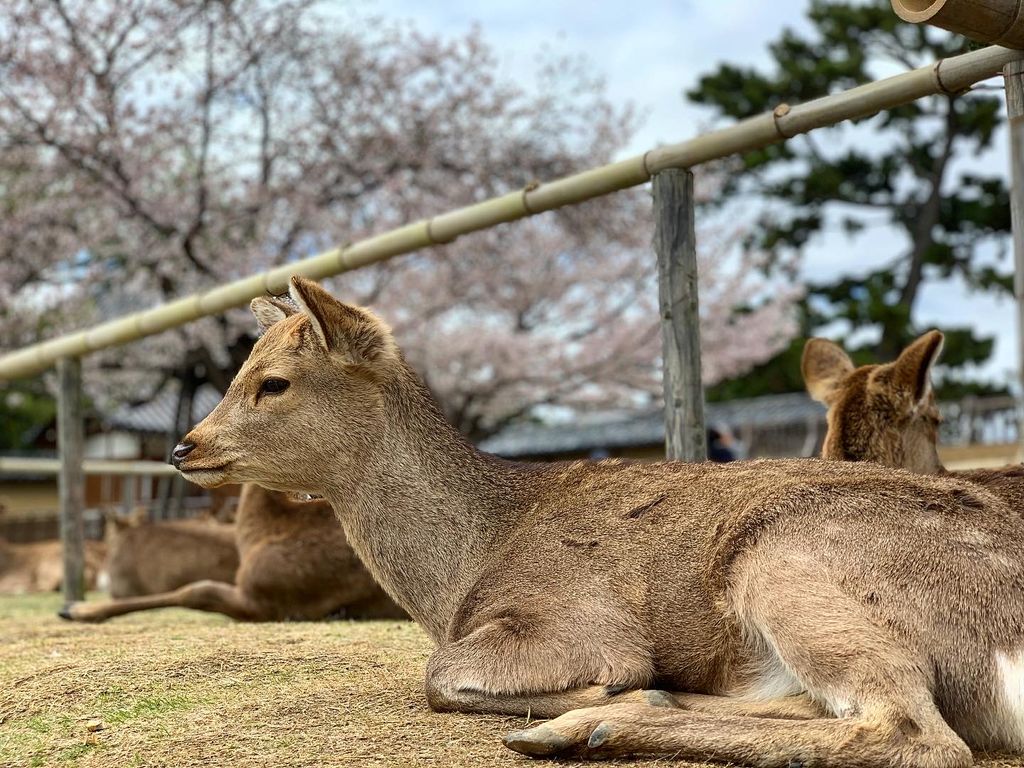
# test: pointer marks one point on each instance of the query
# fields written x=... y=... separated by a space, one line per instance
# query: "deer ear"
x=824 y=365
x=270 y=310
x=913 y=368
x=138 y=516
x=115 y=520
x=354 y=332
x=133 y=519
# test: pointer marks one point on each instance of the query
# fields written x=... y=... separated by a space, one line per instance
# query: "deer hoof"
x=656 y=698
x=68 y=613
x=539 y=741
x=599 y=736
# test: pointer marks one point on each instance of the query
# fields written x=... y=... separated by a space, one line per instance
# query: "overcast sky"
x=650 y=52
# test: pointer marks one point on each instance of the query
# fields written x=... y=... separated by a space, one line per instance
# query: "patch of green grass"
x=73 y=753
x=36 y=738
x=147 y=707
x=110 y=695
x=39 y=724
x=29 y=606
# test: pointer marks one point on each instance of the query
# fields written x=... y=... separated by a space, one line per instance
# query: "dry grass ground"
x=176 y=688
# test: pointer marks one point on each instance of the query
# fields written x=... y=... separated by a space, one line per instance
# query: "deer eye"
x=274 y=386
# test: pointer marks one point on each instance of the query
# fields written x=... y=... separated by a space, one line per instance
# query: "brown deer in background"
x=294 y=564
x=886 y=413
x=146 y=558
x=39 y=566
x=801 y=612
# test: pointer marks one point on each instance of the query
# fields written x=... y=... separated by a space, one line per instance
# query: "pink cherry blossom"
x=153 y=149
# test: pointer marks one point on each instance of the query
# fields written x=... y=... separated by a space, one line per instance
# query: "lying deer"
x=887 y=413
x=801 y=612
x=39 y=566
x=294 y=563
x=146 y=558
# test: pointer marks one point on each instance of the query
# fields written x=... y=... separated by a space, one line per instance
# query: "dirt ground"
x=177 y=688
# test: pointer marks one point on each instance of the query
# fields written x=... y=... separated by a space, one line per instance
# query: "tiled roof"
x=157 y=416
x=645 y=429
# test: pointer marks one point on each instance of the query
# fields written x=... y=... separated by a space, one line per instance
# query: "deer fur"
x=146 y=558
x=887 y=413
x=800 y=612
x=294 y=563
x=39 y=566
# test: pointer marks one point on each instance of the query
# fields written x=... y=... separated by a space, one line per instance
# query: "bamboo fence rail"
x=949 y=75
x=16 y=465
x=988 y=21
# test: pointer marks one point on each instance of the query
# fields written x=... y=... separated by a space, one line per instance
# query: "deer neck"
x=427 y=507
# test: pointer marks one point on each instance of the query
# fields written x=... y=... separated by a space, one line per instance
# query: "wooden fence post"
x=1013 y=75
x=676 y=247
x=71 y=482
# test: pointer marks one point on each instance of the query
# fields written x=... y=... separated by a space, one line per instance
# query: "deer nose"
x=181 y=450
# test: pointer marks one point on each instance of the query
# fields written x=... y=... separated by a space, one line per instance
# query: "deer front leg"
x=878 y=690
x=500 y=670
x=800 y=707
x=876 y=739
x=212 y=596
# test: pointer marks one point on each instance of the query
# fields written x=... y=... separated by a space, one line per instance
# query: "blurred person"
x=721 y=445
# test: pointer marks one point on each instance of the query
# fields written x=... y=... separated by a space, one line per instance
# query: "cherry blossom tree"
x=152 y=148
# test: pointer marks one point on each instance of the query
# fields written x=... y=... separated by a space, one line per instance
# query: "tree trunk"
x=897 y=329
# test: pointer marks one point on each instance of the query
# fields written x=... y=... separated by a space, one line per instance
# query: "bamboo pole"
x=1014 y=77
x=987 y=21
x=17 y=465
x=71 y=483
x=945 y=76
x=675 y=241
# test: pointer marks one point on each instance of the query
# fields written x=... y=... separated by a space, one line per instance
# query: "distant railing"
x=980 y=421
x=31 y=466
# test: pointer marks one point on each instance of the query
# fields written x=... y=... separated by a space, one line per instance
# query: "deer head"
x=882 y=413
x=307 y=403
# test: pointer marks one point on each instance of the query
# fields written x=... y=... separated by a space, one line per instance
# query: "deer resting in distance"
x=39 y=566
x=146 y=558
x=887 y=413
x=798 y=612
x=294 y=563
